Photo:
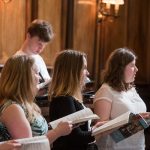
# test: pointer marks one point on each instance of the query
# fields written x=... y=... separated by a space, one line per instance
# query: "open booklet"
x=136 y=123
x=77 y=117
x=112 y=124
x=124 y=126
x=34 y=143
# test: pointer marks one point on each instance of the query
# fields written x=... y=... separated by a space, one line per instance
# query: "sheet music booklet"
x=123 y=126
x=76 y=118
x=34 y=143
x=136 y=124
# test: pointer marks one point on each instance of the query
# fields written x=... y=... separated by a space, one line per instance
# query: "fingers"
x=14 y=144
x=145 y=115
x=66 y=124
x=64 y=128
x=10 y=145
x=98 y=124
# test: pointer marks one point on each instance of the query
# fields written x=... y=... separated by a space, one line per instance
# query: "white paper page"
x=35 y=143
x=74 y=117
x=120 y=120
x=90 y=117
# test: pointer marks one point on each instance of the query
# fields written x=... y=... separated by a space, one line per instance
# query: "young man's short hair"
x=42 y=29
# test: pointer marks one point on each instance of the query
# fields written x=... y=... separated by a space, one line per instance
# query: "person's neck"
x=26 y=49
x=78 y=96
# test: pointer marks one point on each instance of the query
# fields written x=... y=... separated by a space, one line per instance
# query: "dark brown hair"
x=42 y=29
x=114 y=69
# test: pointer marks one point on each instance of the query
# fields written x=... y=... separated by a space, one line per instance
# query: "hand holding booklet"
x=124 y=126
x=112 y=124
x=77 y=117
x=34 y=143
x=136 y=123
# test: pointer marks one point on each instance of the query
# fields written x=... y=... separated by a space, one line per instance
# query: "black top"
x=80 y=136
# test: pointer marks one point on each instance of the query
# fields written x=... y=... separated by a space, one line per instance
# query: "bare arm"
x=16 y=122
x=103 y=109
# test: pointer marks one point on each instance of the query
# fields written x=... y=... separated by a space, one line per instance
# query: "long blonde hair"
x=67 y=73
x=17 y=82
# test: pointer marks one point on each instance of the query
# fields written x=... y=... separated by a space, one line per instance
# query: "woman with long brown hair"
x=70 y=71
x=118 y=95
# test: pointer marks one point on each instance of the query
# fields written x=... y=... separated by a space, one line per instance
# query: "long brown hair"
x=114 y=70
x=67 y=73
x=17 y=82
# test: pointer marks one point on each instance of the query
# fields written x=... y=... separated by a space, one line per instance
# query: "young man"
x=39 y=33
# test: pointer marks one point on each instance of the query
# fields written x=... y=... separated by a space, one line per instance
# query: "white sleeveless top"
x=121 y=103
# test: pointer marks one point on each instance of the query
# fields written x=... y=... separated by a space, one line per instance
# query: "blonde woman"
x=20 y=117
x=70 y=71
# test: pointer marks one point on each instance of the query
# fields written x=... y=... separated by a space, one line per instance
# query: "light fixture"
x=6 y=1
x=108 y=8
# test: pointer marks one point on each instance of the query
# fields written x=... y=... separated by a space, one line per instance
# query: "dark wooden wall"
x=76 y=27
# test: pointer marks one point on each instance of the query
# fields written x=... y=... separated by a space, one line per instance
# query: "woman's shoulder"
x=105 y=88
x=11 y=109
x=62 y=97
x=61 y=100
x=6 y=104
x=104 y=92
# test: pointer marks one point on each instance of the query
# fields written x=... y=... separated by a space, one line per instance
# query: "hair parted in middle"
x=115 y=66
x=67 y=73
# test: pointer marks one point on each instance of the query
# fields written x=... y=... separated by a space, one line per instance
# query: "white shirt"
x=39 y=62
x=121 y=102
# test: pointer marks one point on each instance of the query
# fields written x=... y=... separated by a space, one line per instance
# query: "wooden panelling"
x=50 y=10
x=84 y=28
x=75 y=26
x=138 y=36
x=12 y=27
x=148 y=46
x=110 y=35
x=131 y=30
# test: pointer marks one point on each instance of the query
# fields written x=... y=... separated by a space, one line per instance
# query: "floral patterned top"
x=38 y=124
